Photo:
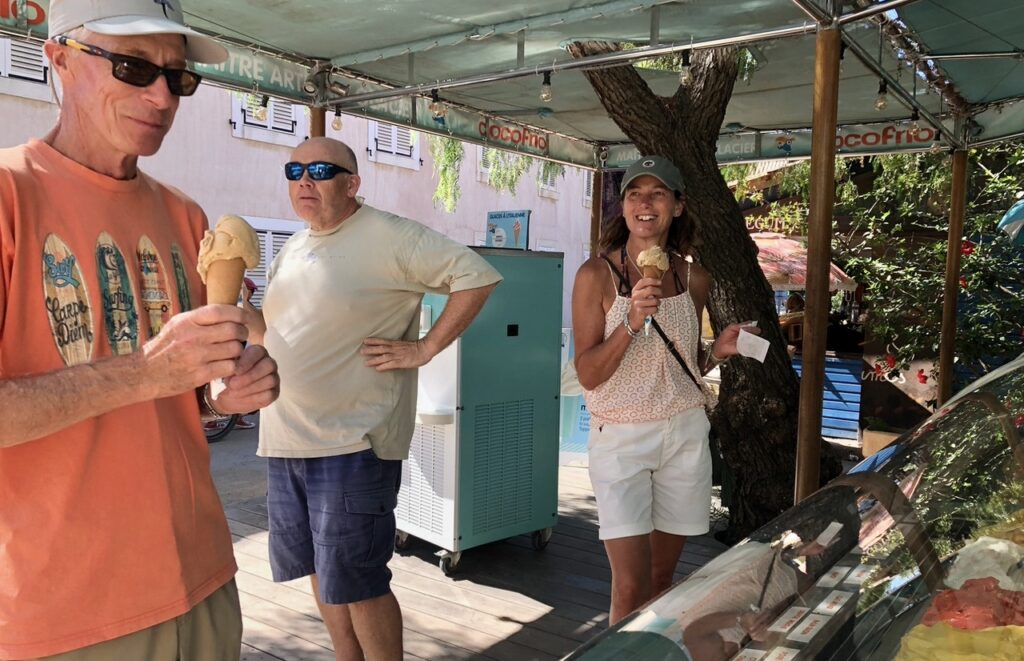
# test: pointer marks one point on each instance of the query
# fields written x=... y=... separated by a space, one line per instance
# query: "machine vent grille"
x=420 y=500
x=503 y=466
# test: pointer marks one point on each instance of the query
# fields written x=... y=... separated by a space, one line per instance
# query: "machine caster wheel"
x=449 y=562
x=540 y=538
x=402 y=540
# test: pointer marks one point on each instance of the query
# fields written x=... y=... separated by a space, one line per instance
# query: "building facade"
x=227 y=150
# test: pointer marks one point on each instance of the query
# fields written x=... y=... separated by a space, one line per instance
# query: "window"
x=394 y=145
x=272 y=234
x=483 y=159
x=285 y=123
x=24 y=70
x=588 y=188
x=547 y=180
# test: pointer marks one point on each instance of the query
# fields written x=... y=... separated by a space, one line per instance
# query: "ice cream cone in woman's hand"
x=653 y=262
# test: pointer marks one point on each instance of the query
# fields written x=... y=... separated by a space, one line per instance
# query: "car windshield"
x=919 y=549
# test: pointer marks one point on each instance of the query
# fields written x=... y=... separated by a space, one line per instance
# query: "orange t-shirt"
x=112 y=524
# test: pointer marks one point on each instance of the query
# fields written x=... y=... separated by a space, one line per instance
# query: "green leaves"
x=897 y=247
x=447 y=154
x=504 y=169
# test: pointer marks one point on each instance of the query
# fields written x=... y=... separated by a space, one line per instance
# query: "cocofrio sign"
x=887 y=137
x=513 y=136
x=35 y=14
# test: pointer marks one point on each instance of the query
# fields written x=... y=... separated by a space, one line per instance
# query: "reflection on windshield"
x=918 y=552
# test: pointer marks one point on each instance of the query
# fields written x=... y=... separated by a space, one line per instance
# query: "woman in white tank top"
x=649 y=459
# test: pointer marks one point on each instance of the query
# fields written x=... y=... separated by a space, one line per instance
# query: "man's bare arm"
x=459 y=312
x=255 y=322
x=192 y=349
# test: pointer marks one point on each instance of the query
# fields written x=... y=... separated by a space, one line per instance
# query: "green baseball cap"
x=658 y=167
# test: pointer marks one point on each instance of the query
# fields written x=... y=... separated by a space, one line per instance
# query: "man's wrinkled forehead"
x=170 y=48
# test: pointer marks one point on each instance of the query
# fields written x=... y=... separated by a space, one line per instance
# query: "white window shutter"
x=403 y=141
x=250 y=104
x=394 y=145
x=271 y=243
x=281 y=116
x=588 y=188
x=26 y=60
x=385 y=138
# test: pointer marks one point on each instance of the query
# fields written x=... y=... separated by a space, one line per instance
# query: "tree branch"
x=626 y=97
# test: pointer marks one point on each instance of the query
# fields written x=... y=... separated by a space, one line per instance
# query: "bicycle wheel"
x=220 y=427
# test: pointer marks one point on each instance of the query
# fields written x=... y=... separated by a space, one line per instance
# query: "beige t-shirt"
x=329 y=291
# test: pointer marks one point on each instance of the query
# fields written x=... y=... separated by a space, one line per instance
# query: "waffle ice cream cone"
x=224 y=281
x=652 y=272
x=224 y=254
x=653 y=262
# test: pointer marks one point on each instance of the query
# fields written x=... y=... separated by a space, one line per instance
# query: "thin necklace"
x=633 y=262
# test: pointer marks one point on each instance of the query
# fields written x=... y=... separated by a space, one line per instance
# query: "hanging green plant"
x=549 y=171
x=504 y=168
x=447 y=154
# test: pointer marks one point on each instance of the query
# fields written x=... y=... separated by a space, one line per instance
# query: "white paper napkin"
x=752 y=346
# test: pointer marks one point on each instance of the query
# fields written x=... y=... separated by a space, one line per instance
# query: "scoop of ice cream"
x=987 y=557
x=979 y=604
x=942 y=642
x=231 y=238
x=654 y=257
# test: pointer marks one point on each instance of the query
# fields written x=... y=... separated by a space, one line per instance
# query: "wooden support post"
x=819 y=254
x=317 y=122
x=950 y=293
x=596 y=198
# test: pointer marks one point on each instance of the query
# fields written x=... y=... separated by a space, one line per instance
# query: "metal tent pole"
x=819 y=247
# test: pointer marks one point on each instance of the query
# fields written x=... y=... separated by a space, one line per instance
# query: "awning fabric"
x=784 y=262
x=390 y=44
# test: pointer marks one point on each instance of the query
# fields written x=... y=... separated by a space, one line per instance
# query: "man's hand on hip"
x=384 y=355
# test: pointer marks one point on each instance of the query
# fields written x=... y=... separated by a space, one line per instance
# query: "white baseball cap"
x=125 y=18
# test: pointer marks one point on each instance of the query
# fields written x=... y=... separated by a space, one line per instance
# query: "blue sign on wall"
x=508 y=229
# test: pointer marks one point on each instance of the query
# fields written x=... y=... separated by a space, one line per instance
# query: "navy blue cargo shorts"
x=335 y=517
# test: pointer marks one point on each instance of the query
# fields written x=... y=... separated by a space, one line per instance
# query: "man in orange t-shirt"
x=113 y=541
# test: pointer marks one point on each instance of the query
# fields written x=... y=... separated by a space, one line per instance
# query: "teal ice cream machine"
x=483 y=465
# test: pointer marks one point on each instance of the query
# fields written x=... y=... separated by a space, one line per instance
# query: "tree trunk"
x=756 y=417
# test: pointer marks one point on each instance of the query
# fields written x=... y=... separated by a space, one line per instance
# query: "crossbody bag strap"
x=675 y=352
x=623 y=286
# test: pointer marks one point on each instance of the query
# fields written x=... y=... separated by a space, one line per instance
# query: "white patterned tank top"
x=649 y=383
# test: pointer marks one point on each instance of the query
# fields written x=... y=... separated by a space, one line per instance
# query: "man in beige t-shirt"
x=341 y=317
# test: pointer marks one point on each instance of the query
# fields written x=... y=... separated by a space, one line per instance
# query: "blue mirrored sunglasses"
x=318 y=170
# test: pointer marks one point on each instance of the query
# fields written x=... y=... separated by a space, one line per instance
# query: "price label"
x=809 y=628
x=834 y=577
x=782 y=654
x=833 y=602
x=859 y=575
x=789 y=619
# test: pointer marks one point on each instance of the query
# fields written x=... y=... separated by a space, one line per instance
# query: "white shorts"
x=652 y=475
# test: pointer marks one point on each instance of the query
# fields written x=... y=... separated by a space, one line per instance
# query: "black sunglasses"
x=318 y=170
x=137 y=71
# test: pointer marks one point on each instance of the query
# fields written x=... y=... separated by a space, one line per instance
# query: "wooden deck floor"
x=506 y=602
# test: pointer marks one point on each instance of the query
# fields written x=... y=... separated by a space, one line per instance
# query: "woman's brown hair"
x=682 y=235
